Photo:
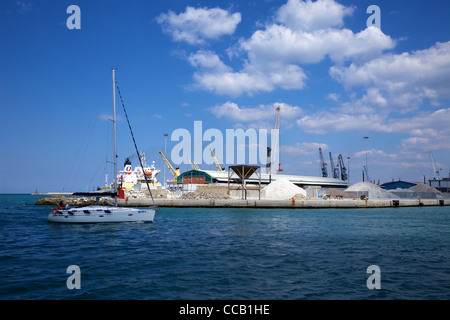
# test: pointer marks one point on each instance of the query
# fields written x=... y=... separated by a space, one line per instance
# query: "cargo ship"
x=130 y=178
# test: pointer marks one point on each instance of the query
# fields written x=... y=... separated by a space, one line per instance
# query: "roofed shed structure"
x=243 y=173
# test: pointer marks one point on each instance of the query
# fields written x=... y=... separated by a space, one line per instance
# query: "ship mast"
x=115 y=137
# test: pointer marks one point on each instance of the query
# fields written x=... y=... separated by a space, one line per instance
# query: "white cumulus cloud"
x=194 y=25
x=274 y=57
x=404 y=79
x=308 y=15
x=232 y=111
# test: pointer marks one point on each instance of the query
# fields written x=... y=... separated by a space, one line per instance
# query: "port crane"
x=334 y=169
x=343 y=168
x=216 y=162
x=194 y=165
x=274 y=143
x=269 y=159
x=436 y=175
x=175 y=172
x=323 y=164
x=365 y=174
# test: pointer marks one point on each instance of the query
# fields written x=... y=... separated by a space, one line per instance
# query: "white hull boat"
x=105 y=214
x=101 y=214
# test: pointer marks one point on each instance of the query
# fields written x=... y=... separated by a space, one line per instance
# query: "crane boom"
x=433 y=164
x=343 y=168
x=365 y=174
x=275 y=140
x=323 y=164
x=175 y=172
x=219 y=168
x=193 y=164
x=334 y=169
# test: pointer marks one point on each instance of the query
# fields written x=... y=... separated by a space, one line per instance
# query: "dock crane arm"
x=334 y=170
x=323 y=164
x=194 y=165
x=435 y=169
x=219 y=168
x=175 y=172
x=341 y=164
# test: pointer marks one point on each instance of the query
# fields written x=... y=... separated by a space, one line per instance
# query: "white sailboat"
x=104 y=214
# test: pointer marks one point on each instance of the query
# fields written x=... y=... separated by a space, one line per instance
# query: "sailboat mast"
x=115 y=135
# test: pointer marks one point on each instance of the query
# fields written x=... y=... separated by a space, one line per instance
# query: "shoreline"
x=284 y=204
x=249 y=203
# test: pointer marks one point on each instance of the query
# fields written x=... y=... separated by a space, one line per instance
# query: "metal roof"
x=244 y=171
x=222 y=177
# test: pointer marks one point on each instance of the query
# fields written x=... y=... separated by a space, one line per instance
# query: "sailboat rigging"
x=135 y=145
x=106 y=214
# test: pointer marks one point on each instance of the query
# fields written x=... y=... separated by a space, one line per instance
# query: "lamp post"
x=165 y=152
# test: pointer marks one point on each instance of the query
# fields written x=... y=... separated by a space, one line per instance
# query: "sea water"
x=254 y=254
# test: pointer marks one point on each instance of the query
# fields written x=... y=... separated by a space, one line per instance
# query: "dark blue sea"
x=227 y=254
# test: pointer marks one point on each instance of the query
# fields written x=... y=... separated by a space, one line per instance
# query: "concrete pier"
x=288 y=204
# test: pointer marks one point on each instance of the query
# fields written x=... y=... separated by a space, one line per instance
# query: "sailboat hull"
x=101 y=214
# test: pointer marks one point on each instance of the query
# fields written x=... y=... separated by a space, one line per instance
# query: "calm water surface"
x=227 y=254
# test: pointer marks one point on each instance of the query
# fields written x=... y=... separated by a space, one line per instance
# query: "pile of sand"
x=375 y=192
x=422 y=187
x=204 y=195
x=300 y=196
x=282 y=189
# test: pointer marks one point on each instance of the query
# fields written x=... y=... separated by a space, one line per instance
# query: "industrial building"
x=442 y=185
x=222 y=177
x=397 y=185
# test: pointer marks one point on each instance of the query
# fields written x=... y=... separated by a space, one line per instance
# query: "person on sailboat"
x=62 y=206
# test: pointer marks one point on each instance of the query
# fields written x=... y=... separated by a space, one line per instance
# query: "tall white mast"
x=115 y=137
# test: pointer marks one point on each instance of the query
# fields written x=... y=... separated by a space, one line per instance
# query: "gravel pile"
x=300 y=196
x=282 y=189
x=422 y=187
x=204 y=195
x=375 y=192
x=143 y=194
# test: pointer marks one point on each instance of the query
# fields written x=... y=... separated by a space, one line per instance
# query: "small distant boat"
x=104 y=214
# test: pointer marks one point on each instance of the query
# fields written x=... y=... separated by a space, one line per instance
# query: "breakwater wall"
x=289 y=204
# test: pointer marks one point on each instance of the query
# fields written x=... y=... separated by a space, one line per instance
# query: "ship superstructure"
x=129 y=177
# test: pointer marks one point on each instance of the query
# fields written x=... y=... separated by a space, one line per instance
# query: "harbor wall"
x=292 y=204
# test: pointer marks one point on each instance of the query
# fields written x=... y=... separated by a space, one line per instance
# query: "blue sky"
x=227 y=64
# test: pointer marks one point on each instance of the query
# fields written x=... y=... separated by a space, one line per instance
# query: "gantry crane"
x=323 y=164
x=275 y=139
x=343 y=168
x=436 y=175
x=194 y=165
x=175 y=172
x=219 y=168
x=334 y=170
x=365 y=174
